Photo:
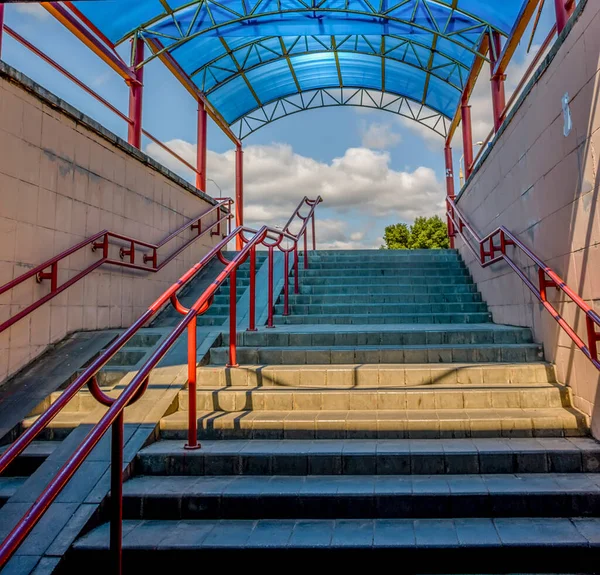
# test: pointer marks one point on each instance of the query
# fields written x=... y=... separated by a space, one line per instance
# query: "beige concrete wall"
x=62 y=179
x=544 y=187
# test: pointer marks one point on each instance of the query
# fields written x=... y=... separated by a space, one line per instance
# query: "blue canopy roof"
x=258 y=60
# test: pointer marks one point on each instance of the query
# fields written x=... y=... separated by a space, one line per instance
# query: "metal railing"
x=114 y=416
x=35 y=50
x=49 y=269
x=488 y=252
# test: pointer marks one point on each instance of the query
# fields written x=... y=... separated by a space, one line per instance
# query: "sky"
x=372 y=168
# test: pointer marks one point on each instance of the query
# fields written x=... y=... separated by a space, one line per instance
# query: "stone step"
x=203 y=320
x=381 y=298
x=375 y=376
x=388 y=424
x=363 y=496
x=384 y=335
x=34 y=455
x=386 y=287
x=372 y=457
x=389 y=318
x=381 y=260
x=396 y=272
x=551 y=545
x=373 y=354
x=380 y=267
x=401 y=280
x=9 y=486
x=127 y=356
x=513 y=396
x=383 y=308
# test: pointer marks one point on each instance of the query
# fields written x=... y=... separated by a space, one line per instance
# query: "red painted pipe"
x=136 y=92
x=201 y=147
x=1 y=26
x=467 y=139
x=192 y=442
x=286 y=283
x=497 y=82
x=564 y=10
x=232 y=320
x=116 y=495
x=252 y=314
x=270 y=290
x=296 y=269
x=239 y=192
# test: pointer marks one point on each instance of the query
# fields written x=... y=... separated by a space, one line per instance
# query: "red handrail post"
x=192 y=442
x=305 y=251
x=239 y=193
x=467 y=137
x=201 y=147
x=232 y=319
x=270 y=296
x=593 y=338
x=564 y=9
x=116 y=495
x=252 y=303
x=449 y=190
x=497 y=81
x=52 y=275
x=296 y=268
x=314 y=238
x=136 y=92
x=1 y=26
x=286 y=284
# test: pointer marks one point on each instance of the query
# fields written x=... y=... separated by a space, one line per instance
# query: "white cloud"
x=32 y=9
x=379 y=136
x=356 y=187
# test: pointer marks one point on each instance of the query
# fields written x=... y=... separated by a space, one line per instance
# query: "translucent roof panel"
x=246 y=55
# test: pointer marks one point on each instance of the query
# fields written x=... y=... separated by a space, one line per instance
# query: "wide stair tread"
x=373 y=354
x=372 y=457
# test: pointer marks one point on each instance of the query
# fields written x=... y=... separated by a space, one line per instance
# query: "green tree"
x=396 y=237
x=425 y=233
x=429 y=234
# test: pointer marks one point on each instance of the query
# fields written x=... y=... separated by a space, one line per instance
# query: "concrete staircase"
x=387 y=414
x=381 y=345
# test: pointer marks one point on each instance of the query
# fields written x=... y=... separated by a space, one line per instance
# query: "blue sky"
x=372 y=167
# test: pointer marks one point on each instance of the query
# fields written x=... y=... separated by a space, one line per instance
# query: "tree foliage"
x=397 y=237
x=425 y=234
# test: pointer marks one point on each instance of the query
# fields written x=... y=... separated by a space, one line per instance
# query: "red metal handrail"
x=113 y=418
x=101 y=240
x=24 y=42
x=486 y=248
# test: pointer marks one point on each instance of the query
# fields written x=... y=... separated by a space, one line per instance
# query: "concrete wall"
x=544 y=187
x=64 y=178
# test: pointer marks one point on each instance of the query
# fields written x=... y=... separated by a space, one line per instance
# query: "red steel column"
x=498 y=95
x=239 y=193
x=1 y=26
x=201 y=147
x=136 y=91
x=467 y=138
x=449 y=188
x=564 y=10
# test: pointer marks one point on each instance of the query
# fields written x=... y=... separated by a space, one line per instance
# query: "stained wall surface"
x=64 y=178
x=543 y=186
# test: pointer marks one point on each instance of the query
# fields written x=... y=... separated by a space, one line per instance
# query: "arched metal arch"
x=327 y=98
x=219 y=19
x=238 y=62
